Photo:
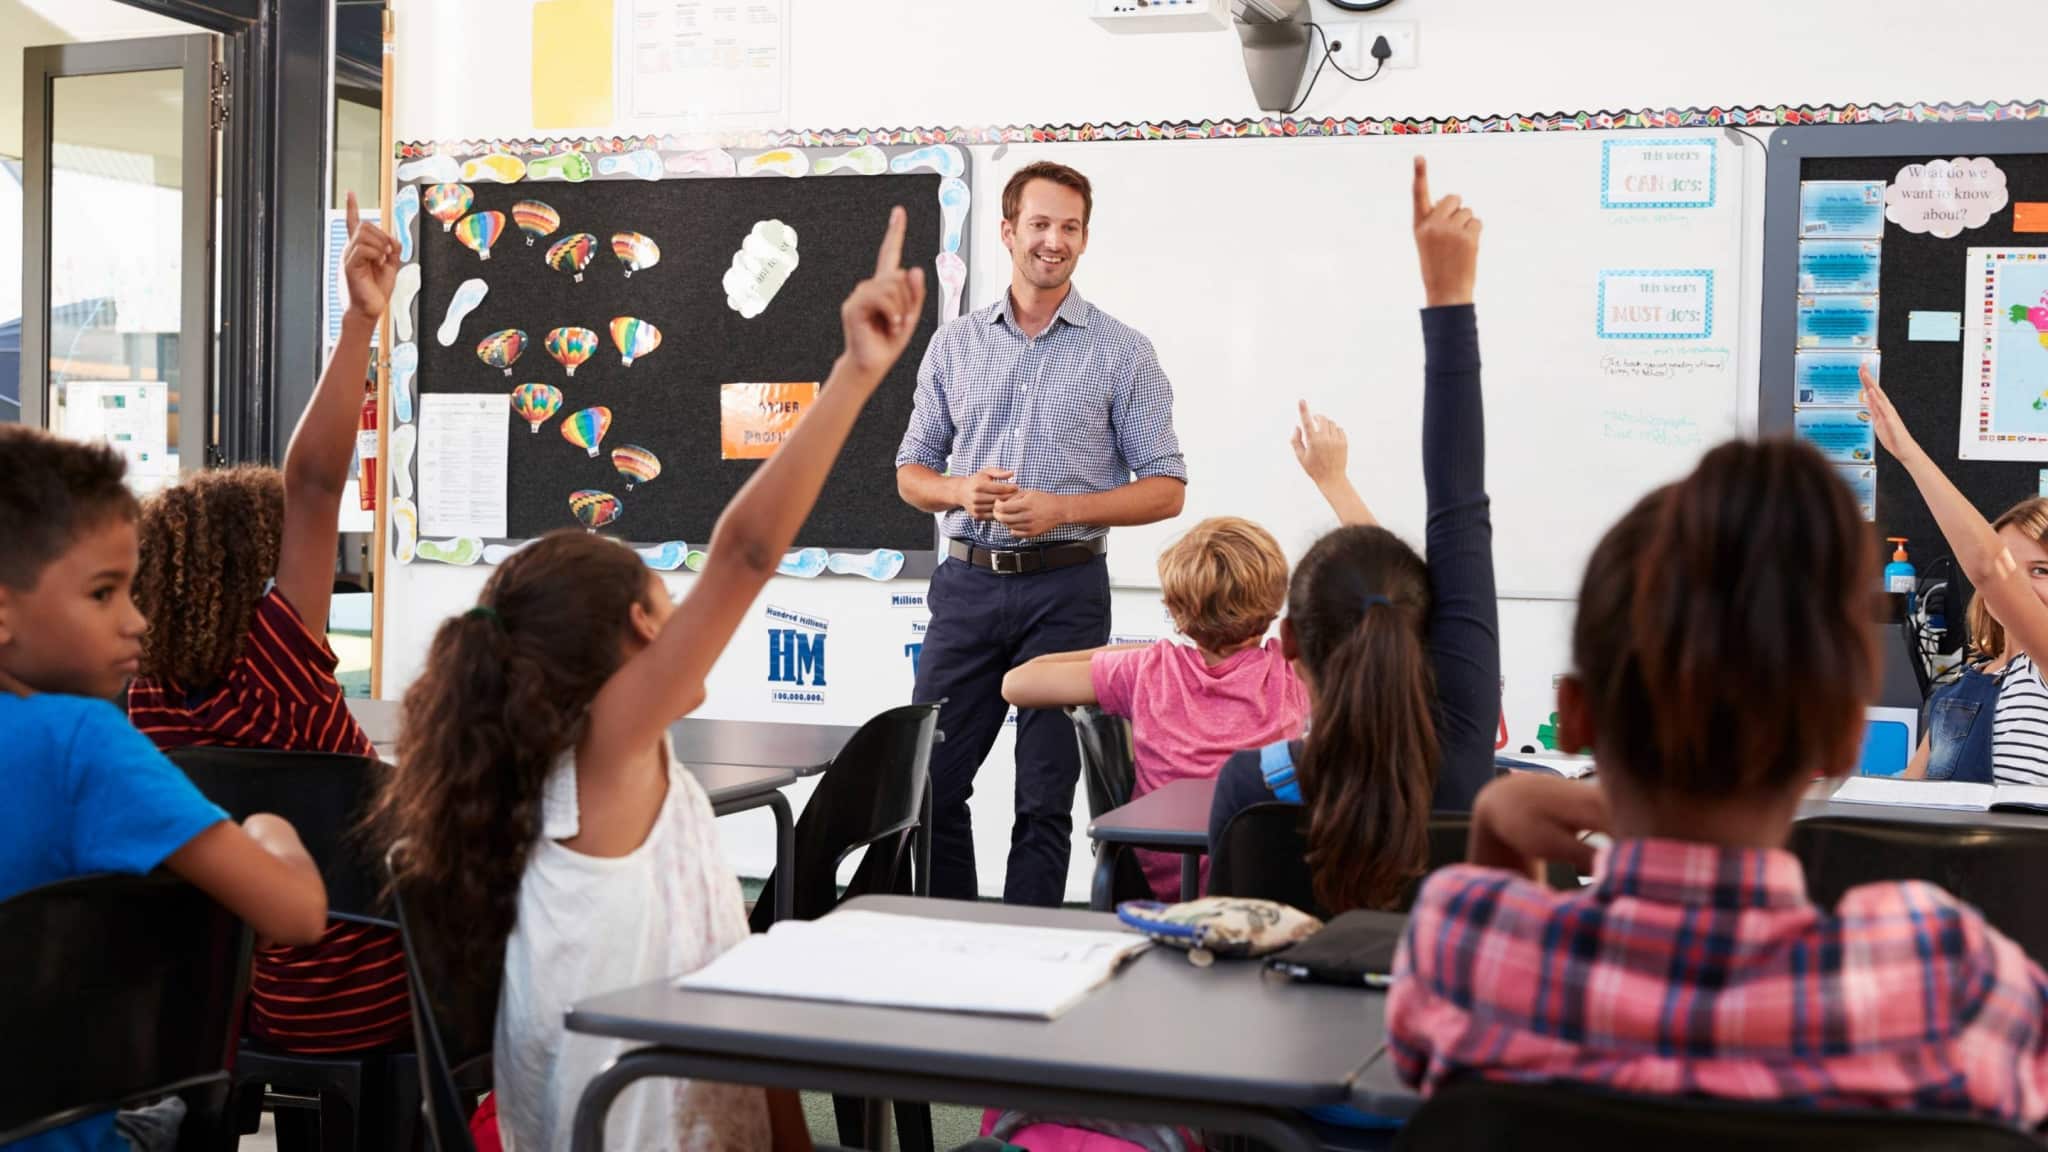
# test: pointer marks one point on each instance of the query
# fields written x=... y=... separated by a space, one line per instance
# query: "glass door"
x=118 y=254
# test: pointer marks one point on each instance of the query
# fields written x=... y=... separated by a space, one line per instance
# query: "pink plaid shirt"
x=1692 y=969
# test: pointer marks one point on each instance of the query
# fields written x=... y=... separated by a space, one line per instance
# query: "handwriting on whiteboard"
x=1633 y=426
x=1664 y=365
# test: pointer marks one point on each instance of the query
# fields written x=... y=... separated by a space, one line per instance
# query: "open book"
x=1942 y=794
x=919 y=962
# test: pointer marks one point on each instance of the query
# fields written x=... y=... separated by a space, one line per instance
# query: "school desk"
x=1225 y=1047
x=1172 y=818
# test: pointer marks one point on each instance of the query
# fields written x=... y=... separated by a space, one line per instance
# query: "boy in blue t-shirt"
x=86 y=792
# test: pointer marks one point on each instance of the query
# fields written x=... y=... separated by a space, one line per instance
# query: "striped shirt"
x=2019 y=732
x=1081 y=407
x=1690 y=968
x=345 y=992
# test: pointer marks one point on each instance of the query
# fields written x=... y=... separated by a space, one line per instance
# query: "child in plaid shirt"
x=1722 y=660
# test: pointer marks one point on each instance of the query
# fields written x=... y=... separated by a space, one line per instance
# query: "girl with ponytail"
x=1402 y=657
x=550 y=837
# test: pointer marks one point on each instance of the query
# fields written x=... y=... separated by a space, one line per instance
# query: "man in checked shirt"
x=1041 y=423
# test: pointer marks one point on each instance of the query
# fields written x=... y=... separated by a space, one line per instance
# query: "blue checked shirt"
x=1083 y=407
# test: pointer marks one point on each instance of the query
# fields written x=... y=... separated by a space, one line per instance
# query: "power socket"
x=1354 y=40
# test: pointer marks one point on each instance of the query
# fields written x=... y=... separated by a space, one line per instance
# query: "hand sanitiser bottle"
x=1899 y=575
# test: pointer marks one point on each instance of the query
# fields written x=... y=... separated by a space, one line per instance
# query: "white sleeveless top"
x=589 y=925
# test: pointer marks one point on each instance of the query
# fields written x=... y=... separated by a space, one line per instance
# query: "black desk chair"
x=1109 y=772
x=1264 y=856
x=357 y=1100
x=872 y=797
x=454 y=1056
x=1475 y=1115
x=118 y=990
x=1984 y=864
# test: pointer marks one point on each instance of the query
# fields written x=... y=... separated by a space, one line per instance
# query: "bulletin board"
x=1926 y=291
x=644 y=328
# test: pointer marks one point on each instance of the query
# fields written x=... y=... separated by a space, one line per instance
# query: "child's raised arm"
x=1985 y=560
x=665 y=680
x=1323 y=451
x=316 y=463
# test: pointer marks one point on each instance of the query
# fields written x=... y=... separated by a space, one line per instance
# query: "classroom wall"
x=461 y=72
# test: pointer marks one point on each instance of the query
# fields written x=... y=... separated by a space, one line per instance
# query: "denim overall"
x=1959 y=722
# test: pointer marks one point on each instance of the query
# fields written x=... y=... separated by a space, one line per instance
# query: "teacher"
x=1041 y=422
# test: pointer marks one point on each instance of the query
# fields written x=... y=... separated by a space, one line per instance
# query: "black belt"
x=1018 y=561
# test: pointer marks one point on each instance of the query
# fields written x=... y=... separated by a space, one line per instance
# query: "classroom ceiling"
x=119 y=114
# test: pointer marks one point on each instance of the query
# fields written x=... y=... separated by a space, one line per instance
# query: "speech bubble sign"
x=1943 y=197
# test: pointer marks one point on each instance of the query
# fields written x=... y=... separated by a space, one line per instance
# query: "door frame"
x=197 y=57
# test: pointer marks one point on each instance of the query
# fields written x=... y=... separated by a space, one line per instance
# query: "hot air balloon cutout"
x=502 y=349
x=572 y=254
x=638 y=253
x=636 y=464
x=535 y=403
x=596 y=509
x=537 y=219
x=448 y=202
x=479 y=230
x=586 y=429
x=635 y=338
x=571 y=346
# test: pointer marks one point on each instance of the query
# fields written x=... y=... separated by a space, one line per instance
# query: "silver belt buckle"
x=997 y=558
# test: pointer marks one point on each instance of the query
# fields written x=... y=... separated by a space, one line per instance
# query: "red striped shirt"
x=346 y=992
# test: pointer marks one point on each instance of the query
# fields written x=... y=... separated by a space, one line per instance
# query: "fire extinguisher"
x=366 y=449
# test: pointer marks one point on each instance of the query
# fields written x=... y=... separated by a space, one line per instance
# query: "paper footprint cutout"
x=402 y=293
x=694 y=559
x=403 y=441
x=781 y=162
x=953 y=198
x=405 y=530
x=644 y=163
x=804 y=564
x=944 y=159
x=881 y=564
x=435 y=169
x=760 y=268
x=461 y=551
x=866 y=160
x=571 y=166
x=406 y=212
x=499 y=553
x=952 y=284
x=405 y=361
x=470 y=294
x=498 y=167
x=702 y=162
x=665 y=557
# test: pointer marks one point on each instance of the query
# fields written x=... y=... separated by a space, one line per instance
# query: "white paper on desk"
x=1916 y=793
x=462 y=463
x=2032 y=797
x=920 y=962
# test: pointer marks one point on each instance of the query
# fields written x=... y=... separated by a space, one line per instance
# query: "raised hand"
x=1320 y=446
x=1884 y=419
x=1447 y=240
x=881 y=313
x=369 y=266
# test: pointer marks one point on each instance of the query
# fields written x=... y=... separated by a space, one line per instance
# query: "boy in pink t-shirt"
x=1224 y=582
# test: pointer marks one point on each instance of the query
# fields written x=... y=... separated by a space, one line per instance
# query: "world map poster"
x=2005 y=356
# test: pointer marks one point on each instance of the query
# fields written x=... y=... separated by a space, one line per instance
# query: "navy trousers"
x=982 y=626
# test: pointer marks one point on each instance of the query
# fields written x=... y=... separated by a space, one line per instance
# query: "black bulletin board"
x=669 y=400
x=1917 y=272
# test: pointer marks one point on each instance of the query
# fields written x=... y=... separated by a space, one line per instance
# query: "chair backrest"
x=1109 y=761
x=1263 y=855
x=114 y=989
x=1983 y=864
x=323 y=795
x=1475 y=1115
x=434 y=1029
x=870 y=797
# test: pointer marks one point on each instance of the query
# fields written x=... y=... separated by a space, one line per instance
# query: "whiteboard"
x=1270 y=270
